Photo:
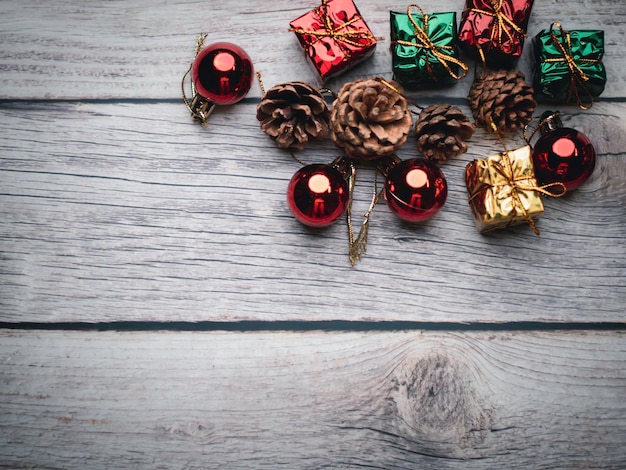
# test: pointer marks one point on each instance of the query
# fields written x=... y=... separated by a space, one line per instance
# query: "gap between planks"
x=308 y=326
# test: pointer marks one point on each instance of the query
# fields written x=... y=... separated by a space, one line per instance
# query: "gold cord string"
x=260 y=80
x=350 y=37
x=424 y=42
x=185 y=99
x=577 y=76
x=199 y=107
x=494 y=128
x=357 y=246
x=483 y=59
x=393 y=88
x=199 y=44
x=546 y=120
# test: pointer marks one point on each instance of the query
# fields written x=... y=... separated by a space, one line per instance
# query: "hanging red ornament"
x=318 y=194
x=562 y=155
x=415 y=189
x=221 y=74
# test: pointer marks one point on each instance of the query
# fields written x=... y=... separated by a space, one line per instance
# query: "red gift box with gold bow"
x=496 y=29
x=334 y=37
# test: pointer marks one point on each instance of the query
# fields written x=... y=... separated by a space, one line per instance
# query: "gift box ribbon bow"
x=424 y=42
x=504 y=175
x=577 y=76
x=339 y=33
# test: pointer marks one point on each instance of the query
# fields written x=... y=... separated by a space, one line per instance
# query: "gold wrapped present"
x=503 y=190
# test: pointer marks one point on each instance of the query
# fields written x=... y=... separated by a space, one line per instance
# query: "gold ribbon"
x=577 y=76
x=335 y=32
x=516 y=185
x=424 y=42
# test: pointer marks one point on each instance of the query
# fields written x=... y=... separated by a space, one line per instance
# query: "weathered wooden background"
x=162 y=309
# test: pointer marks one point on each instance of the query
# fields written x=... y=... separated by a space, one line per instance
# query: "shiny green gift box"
x=568 y=65
x=426 y=55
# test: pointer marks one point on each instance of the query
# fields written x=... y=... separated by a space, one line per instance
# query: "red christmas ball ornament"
x=415 y=189
x=317 y=195
x=562 y=155
x=222 y=73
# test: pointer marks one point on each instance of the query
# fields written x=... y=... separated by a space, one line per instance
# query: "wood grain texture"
x=132 y=212
x=399 y=400
x=115 y=206
x=141 y=48
x=126 y=210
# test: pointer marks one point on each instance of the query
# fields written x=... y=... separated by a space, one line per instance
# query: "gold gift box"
x=501 y=190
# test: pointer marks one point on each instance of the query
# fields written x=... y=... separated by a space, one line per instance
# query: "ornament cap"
x=550 y=121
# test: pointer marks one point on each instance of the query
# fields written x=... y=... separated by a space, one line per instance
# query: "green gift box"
x=568 y=65
x=425 y=49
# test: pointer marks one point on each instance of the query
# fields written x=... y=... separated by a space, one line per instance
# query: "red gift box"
x=495 y=27
x=334 y=37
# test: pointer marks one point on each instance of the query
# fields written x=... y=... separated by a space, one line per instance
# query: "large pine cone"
x=369 y=119
x=441 y=131
x=292 y=114
x=504 y=97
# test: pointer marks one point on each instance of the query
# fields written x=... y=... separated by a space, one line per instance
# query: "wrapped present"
x=334 y=37
x=503 y=190
x=425 y=48
x=496 y=28
x=568 y=65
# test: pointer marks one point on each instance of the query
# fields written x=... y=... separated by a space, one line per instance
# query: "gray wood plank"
x=401 y=400
x=133 y=212
x=141 y=48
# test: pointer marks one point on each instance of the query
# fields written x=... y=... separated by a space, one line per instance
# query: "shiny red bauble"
x=415 y=189
x=222 y=73
x=317 y=195
x=563 y=155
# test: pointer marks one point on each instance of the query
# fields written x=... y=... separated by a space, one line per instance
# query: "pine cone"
x=369 y=119
x=441 y=132
x=504 y=97
x=292 y=114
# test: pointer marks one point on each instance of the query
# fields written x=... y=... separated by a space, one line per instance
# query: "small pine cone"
x=441 y=132
x=369 y=119
x=292 y=114
x=504 y=97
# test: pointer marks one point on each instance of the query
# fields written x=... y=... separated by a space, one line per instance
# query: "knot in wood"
x=438 y=405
